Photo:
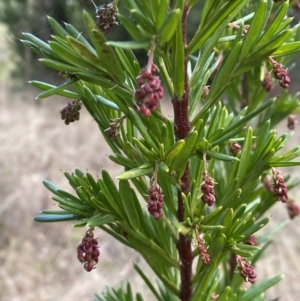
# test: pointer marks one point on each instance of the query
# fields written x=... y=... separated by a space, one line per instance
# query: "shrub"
x=209 y=175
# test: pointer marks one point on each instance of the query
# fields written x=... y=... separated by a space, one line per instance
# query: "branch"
x=182 y=129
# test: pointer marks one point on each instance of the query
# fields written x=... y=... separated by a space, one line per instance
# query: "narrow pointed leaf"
x=135 y=172
x=52 y=218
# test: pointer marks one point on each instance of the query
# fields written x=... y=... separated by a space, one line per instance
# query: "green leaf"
x=142 y=129
x=273 y=26
x=224 y=77
x=265 y=51
x=224 y=294
x=85 y=53
x=130 y=44
x=52 y=187
x=287 y=49
x=135 y=172
x=105 y=53
x=284 y=163
x=219 y=20
x=255 y=29
x=257 y=289
x=107 y=56
x=53 y=218
x=106 y=102
x=72 y=204
x=256 y=227
x=245 y=160
x=131 y=28
x=184 y=229
x=150 y=155
x=131 y=204
x=212 y=216
x=54 y=212
x=169 y=27
x=60 y=66
x=221 y=157
x=161 y=14
x=216 y=247
x=210 y=227
x=56 y=90
x=57 y=28
x=41 y=45
x=47 y=87
x=67 y=55
x=143 y=21
x=174 y=151
x=100 y=219
x=147 y=281
x=185 y=152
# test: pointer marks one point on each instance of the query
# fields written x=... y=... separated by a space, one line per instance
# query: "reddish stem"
x=182 y=129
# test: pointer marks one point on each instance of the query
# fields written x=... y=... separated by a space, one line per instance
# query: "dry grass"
x=38 y=262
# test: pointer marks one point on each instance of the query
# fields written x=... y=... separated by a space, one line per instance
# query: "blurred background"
x=39 y=261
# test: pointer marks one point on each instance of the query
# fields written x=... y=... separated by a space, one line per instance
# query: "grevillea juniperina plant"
x=197 y=187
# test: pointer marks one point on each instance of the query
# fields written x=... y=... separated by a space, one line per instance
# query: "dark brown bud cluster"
x=88 y=252
x=155 y=201
x=280 y=73
x=107 y=18
x=208 y=189
x=291 y=122
x=246 y=29
x=205 y=92
x=149 y=92
x=280 y=188
x=267 y=82
x=268 y=185
x=235 y=148
x=71 y=112
x=202 y=250
x=293 y=209
x=113 y=129
x=251 y=240
x=246 y=270
x=296 y=6
x=67 y=75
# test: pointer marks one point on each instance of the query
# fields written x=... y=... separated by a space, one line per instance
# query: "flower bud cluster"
x=296 y=6
x=268 y=185
x=155 y=201
x=293 y=209
x=267 y=82
x=235 y=148
x=71 y=112
x=251 y=240
x=280 y=188
x=246 y=270
x=280 y=73
x=202 y=250
x=205 y=92
x=291 y=122
x=88 y=252
x=113 y=129
x=246 y=29
x=208 y=189
x=149 y=92
x=108 y=17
